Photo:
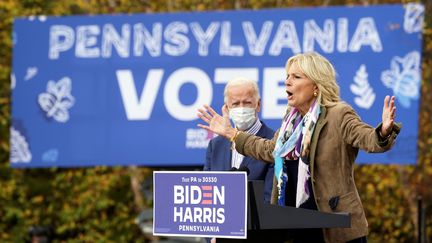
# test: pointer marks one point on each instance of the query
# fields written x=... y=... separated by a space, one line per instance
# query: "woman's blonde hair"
x=321 y=72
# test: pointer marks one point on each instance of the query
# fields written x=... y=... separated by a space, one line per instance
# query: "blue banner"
x=124 y=89
x=204 y=204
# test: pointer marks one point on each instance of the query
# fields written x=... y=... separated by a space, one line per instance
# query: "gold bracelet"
x=232 y=140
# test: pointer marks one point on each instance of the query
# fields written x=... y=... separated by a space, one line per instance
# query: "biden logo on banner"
x=200 y=204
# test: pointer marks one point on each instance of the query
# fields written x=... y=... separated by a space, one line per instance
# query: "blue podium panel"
x=204 y=204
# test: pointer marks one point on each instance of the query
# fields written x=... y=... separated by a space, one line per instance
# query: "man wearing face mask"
x=243 y=101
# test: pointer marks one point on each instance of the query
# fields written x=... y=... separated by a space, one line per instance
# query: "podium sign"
x=203 y=204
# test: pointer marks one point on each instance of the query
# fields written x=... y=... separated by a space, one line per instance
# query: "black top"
x=291 y=187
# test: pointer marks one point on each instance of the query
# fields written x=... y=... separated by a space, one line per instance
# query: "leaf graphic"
x=13 y=81
x=50 y=155
x=58 y=99
x=413 y=19
x=365 y=101
x=31 y=72
x=364 y=93
x=19 y=151
x=404 y=78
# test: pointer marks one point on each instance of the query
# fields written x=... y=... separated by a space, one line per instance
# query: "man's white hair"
x=242 y=81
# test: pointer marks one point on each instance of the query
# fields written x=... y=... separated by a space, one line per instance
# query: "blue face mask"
x=243 y=117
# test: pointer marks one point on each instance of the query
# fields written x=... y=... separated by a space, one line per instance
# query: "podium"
x=264 y=216
x=266 y=221
x=183 y=199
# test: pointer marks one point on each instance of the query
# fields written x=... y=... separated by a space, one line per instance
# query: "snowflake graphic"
x=19 y=148
x=404 y=78
x=58 y=99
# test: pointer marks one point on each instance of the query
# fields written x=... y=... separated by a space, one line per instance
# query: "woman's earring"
x=315 y=94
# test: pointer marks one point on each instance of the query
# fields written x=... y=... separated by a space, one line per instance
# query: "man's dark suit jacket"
x=218 y=158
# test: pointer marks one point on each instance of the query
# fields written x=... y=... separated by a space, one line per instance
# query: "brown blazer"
x=338 y=136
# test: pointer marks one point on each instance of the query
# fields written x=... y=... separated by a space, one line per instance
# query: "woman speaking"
x=315 y=148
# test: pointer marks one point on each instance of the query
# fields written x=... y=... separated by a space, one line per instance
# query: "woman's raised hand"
x=388 y=116
x=216 y=123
